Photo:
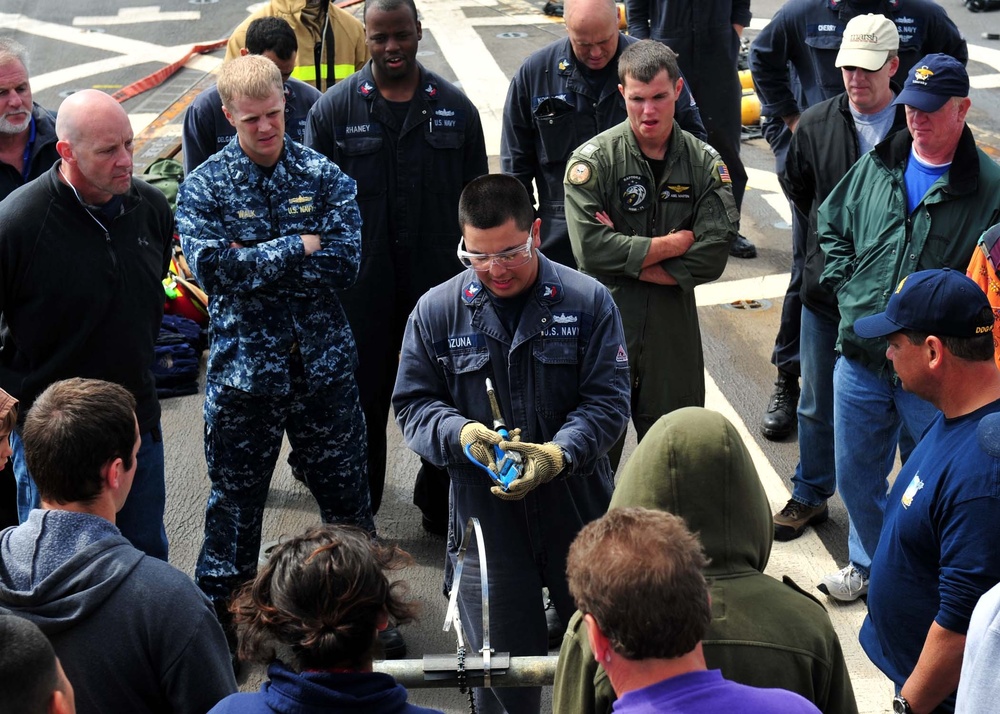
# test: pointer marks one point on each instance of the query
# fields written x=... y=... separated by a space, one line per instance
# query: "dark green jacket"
x=763 y=633
x=871 y=243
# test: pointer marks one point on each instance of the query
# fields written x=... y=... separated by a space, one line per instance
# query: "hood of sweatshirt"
x=693 y=464
x=331 y=692
x=57 y=567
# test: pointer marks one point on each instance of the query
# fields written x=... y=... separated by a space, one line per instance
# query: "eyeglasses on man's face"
x=481 y=262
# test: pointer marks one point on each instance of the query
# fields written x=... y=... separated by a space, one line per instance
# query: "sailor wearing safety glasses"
x=547 y=342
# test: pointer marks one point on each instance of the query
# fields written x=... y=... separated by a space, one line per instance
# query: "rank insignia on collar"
x=470 y=291
x=431 y=90
x=366 y=88
x=563 y=64
x=550 y=290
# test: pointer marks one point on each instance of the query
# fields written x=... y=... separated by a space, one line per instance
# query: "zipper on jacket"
x=111 y=249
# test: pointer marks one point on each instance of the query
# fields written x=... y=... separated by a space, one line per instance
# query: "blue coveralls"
x=410 y=177
x=793 y=61
x=282 y=356
x=563 y=377
x=550 y=111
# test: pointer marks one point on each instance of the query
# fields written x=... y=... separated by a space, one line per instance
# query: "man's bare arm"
x=937 y=671
x=657 y=274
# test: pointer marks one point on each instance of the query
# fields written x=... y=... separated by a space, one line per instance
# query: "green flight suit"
x=609 y=173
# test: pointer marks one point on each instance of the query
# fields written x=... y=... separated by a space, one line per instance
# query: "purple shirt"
x=707 y=691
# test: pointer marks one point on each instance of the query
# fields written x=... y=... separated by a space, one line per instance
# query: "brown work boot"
x=791 y=521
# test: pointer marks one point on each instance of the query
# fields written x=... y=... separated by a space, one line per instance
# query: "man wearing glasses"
x=550 y=342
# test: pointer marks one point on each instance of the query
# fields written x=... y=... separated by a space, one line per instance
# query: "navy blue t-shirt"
x=937 y=553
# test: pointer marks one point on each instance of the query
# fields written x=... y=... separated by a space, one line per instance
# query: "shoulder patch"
x=723 y=172
x=579 y=173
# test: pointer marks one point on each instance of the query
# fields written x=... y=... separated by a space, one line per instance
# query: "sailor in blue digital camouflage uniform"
x=551 y=341
x=272 y=231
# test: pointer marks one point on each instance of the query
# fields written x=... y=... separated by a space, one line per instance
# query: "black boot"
x=392 y=642
x=554 y=625
x=229 y=629
x=742 y=248
x=780 y=418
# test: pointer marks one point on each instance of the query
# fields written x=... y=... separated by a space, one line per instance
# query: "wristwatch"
x=900 y=705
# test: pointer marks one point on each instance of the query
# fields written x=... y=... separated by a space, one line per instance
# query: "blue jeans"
x=815 y=476
x=872 y=413
x=141 y=518
x=27 y=493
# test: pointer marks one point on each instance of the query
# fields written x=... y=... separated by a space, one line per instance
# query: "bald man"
x=563 y=95
x=83 y=249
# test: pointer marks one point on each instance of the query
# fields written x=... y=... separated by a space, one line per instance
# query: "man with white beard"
x=27 y=131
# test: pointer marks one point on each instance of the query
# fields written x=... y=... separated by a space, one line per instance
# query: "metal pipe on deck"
x=441 y=671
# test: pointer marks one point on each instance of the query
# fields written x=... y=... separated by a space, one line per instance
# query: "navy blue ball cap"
x=938 y=302
x=933 y=81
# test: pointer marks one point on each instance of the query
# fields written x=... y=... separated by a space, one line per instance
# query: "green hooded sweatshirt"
x=764 y=633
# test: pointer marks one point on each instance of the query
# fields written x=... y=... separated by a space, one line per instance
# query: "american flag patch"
x=723 y=172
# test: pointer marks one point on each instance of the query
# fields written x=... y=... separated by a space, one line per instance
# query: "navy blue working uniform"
x=708 y=50
x=282 y=356
x=411 y=161
x=552 y=108
x=207 y=131
x=806 y=34
x=561 y=375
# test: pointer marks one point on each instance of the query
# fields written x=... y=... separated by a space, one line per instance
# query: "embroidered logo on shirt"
x=911 y=491
x=622 y=355
x=634 y=193
x=676 y=192
x=565 y=319
x=431 y=90
x=549 y=291
x=366 y=88
x=471 y=290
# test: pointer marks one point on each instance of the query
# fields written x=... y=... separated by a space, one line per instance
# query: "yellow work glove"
x=480 y=440
x=542 y=463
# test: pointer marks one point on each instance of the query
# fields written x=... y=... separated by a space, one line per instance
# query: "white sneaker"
x=847 y=584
